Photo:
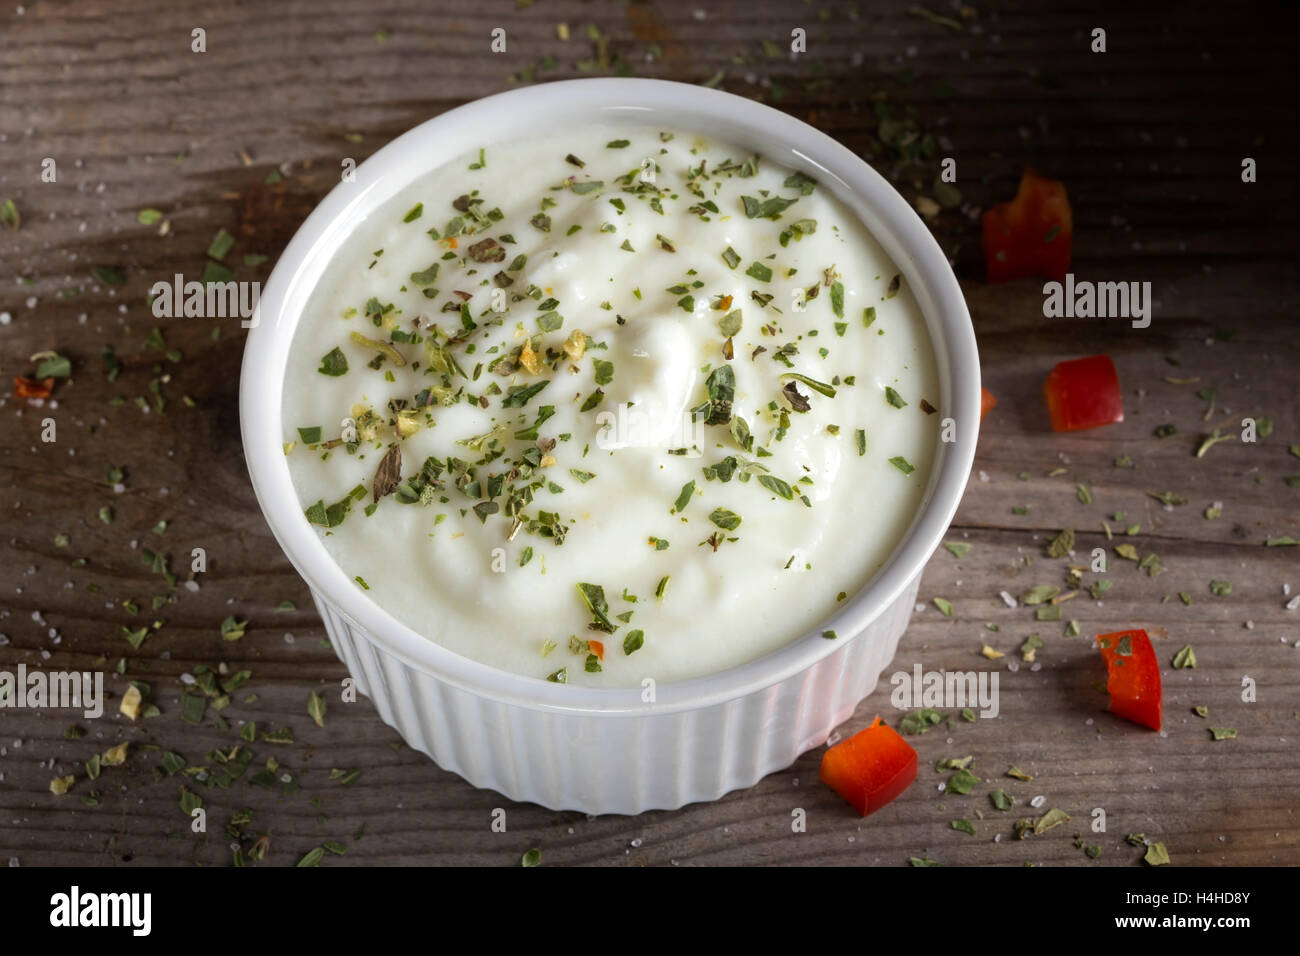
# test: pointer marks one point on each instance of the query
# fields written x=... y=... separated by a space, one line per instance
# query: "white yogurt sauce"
x=637 y=274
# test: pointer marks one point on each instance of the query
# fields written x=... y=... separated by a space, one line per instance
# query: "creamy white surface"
x=720 y=608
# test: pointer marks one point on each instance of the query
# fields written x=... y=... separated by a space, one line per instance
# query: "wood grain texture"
x=1149 y=138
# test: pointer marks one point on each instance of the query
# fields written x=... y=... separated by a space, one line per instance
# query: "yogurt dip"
x=611 y=405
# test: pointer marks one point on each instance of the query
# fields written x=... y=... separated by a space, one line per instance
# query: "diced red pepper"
x=1084 y=393
x=1133 y=680
x=987 y=402
x=1033 y=234
x=597 y=648
x=871 y=768
x=32 y=387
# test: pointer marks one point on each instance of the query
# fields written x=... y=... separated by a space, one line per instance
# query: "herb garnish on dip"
x=548 y=379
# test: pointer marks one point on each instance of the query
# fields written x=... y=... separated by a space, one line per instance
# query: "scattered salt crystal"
x=1007 y=599
x=1038 y=801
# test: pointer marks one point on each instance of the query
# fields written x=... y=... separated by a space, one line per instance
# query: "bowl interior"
x=665 y=105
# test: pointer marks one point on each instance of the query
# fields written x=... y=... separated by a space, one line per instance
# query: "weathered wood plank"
x=1148 y=137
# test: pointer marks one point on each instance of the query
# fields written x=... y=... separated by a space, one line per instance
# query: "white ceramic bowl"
x=581 y=748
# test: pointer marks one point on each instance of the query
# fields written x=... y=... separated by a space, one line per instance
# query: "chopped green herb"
x=684 y=497
x=334 y=363
x=1156 y=855
x=425 y=277
x=220 y=245
x=776 y=486
x=724 y=519
x=593 y=595
x=920 y=721
x=770 y=208
x=9 y=215
x=816 y=386
x=1039 y=594
x=1062 y=544
x=316 y=708
x=517 y=396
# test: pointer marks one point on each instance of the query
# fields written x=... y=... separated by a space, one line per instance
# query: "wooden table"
x=1149 y=138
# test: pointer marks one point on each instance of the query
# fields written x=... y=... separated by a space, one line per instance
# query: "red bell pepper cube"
x=1084 y=393
x=871 y=768
x=1033 y=234
x=987 y=402
x=32 y=387
x=1133 y=679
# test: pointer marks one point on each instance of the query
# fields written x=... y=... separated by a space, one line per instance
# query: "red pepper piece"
x=32 y=387
x=871 y=768
x=597 y=648
x=1084 y=393
x=1133 y=680
x=1033 y=234
x=987 y=402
